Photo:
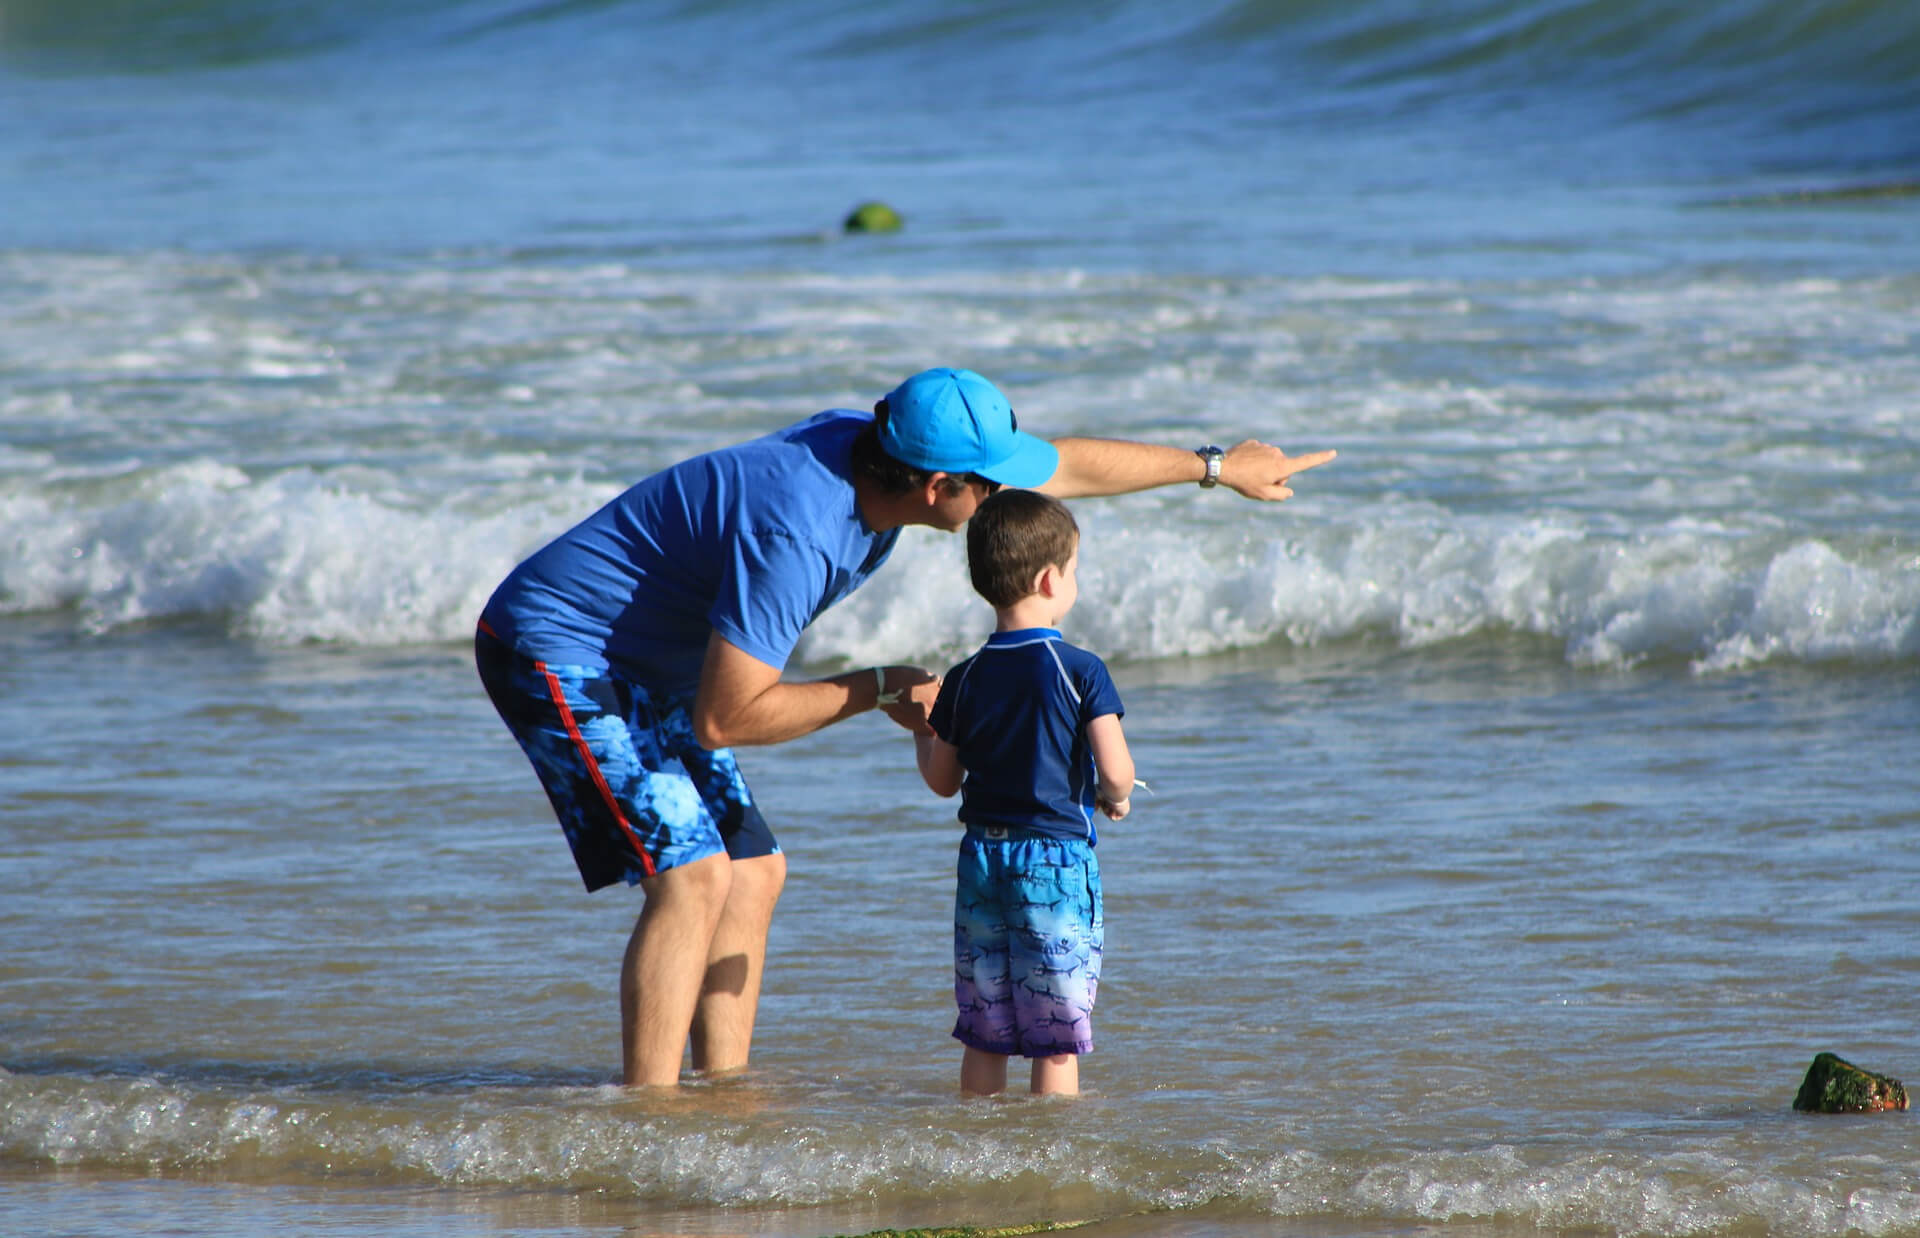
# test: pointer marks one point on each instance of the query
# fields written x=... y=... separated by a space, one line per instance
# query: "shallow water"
x=1477 y=939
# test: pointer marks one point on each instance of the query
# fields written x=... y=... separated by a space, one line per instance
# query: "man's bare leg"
x=666 y=962
x=730 y=992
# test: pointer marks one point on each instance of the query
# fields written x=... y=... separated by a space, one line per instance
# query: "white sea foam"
x=594 y=1140
x=294 y=557
x=1714 y=470
x=1154 y=590
x=301 y=555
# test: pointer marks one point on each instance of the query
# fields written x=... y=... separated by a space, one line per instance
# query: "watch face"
x=1212 y=456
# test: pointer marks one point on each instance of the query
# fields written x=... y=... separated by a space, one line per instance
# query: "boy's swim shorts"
x=635 y=794
x=1027 y=934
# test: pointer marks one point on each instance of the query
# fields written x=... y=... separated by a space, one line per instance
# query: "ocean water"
x=1534 y=795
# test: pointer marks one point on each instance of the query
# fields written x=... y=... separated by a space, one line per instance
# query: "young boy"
x=1028 y=730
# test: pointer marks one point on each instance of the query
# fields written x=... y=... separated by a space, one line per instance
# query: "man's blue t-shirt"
x=1017 y=710
x=752 y=541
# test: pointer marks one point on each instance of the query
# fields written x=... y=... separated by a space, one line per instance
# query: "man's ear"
x=935 y=488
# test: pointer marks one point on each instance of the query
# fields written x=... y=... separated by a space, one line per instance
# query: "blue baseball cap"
x=954 y=421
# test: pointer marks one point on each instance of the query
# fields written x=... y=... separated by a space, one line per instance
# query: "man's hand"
x=1260 y=470
x=913 y=690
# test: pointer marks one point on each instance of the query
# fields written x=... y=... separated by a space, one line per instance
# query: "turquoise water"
x=1235 y=136
x=1535 y=794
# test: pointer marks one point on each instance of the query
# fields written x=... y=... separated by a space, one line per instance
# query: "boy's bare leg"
x=981 y=1073
x=1058 y=1075
x=730 y=990
x=665 y=964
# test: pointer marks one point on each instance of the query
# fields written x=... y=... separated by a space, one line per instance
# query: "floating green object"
x=1833 y=1085
x=873 y=217
x=981 y=1231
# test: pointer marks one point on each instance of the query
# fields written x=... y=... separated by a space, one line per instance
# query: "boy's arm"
x=1113 y=762
x=939 y=763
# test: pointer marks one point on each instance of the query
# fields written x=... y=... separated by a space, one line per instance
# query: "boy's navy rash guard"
x=1017 y=711
x=752 y=541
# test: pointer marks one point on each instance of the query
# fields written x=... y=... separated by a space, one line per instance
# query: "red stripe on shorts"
x=593 y=767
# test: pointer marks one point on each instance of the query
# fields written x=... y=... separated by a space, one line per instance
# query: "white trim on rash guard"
x=1049 y=642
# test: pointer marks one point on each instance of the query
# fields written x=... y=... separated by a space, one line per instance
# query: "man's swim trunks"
x=1027 y=934
x=635 y=794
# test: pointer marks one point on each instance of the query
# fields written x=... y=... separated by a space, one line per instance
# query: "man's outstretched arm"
x=1090 y=467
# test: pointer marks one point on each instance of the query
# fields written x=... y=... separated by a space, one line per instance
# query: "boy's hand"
x=1115 y=809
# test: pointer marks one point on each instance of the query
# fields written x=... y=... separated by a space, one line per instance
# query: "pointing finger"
x=1300 y=464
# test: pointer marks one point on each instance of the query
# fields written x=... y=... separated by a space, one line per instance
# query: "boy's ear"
x=1047 y=580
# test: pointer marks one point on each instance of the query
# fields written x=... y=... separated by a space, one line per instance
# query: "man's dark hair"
x=891 y=476
x=1012 y=538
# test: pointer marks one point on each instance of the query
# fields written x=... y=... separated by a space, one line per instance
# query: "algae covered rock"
x=1833 y=1085
x=873 y=217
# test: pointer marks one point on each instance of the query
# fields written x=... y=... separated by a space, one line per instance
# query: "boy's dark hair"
x=1012 y=538
x=871 y=461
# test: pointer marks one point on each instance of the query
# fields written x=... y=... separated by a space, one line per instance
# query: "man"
x=632 y=653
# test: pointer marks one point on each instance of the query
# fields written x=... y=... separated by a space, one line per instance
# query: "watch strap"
x=1212 y=455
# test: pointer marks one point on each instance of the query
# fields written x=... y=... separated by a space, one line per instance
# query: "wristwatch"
x=1213 y=456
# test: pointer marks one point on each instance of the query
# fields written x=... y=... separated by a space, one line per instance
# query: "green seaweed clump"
x=1833 y=1085
x=873 y=217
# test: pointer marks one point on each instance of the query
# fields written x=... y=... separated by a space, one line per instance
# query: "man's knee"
x=707 y=883
x=757 y=882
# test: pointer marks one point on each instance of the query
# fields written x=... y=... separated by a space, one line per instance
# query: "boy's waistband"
x=1016 y=833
